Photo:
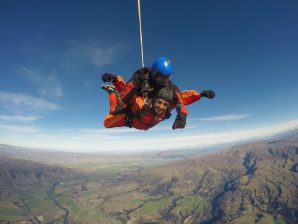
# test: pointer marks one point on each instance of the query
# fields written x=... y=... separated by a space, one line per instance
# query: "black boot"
x=108 y=88
x=107 y=77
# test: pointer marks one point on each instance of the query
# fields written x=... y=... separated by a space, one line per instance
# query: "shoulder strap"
x=145 y=87
x=129 y=117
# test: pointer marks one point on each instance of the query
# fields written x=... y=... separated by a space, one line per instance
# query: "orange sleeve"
x=190 y=96
x=181 y=102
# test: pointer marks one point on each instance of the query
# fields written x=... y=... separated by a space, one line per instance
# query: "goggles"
x=161 y=78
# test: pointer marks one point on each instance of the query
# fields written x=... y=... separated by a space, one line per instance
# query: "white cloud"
x=130 y=140
x=47 y=82
x=20 y=118
x=16 y=102
x=229 y=117
x=20 y=129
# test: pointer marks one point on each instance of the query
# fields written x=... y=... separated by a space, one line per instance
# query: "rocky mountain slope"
x=17 y=174
x=24 y=191
x=251 y=183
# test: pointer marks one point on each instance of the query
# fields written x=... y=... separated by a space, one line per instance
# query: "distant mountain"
x=48 y=156
x=17 y=174
x=292 y=133
x=75 y=158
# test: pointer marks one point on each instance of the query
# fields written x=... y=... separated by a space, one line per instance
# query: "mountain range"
x=249 y=183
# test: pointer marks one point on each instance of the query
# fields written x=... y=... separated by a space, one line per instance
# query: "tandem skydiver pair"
x=148 y=97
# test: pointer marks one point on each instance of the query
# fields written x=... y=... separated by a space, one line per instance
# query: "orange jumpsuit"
x=140 y=115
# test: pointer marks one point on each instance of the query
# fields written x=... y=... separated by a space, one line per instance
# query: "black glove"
x=210 y=94
x=108 y=77
x=180 y=122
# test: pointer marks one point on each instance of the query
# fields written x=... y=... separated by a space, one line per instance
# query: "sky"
x=52 y=55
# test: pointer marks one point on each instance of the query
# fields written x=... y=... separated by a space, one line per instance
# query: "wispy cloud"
x=103 y=56
x=19 y=129
x=129 y=140
x=19 y=118
x=47 y=82
x=17 y=102
x=229 y=117
x=93 y=53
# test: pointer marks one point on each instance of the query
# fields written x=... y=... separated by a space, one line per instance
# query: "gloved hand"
x=108 y=77
x=180 y=122
x=210 y=94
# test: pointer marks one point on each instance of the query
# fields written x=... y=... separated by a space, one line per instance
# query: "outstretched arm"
x=191 y=96
x=188 y=97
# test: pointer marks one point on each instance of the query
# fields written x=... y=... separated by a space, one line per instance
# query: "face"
x=161 y=106
x=164 y=80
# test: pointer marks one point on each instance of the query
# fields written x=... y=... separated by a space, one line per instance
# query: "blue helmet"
x=162 y=66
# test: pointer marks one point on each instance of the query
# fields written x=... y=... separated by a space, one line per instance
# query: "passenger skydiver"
x=143 y=115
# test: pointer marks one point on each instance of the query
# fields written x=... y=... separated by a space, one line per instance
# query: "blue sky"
x=52 y=54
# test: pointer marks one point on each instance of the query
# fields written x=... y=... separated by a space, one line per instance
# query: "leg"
x=119 y=83
x=112 y=121
x=124 y=89
x=116 y=107
x=115 y=117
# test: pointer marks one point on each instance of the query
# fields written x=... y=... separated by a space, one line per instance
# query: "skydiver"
x=146 y=82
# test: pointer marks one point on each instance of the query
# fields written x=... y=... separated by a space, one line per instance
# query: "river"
x=50 y=193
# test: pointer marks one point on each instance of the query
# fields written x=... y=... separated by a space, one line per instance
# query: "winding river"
x=50 y=193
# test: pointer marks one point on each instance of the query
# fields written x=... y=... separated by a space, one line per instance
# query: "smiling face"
x=160 y=106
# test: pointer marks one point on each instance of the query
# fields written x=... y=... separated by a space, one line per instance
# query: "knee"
x=107 y=124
